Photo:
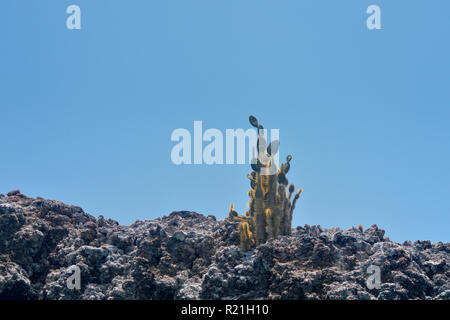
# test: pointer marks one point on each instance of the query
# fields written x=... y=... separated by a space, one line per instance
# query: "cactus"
x=246 y=236
x=270 y=209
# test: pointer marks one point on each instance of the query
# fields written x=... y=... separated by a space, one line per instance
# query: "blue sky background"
x=86 y=116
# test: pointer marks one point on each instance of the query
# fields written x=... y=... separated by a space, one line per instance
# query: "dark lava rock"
x=189 y=256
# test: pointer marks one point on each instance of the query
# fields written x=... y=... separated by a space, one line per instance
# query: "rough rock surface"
x=189 y=256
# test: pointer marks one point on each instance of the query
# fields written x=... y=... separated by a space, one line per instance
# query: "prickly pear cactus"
x=270 y=207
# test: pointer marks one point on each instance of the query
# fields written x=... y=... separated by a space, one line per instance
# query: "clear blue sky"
x=86 y=116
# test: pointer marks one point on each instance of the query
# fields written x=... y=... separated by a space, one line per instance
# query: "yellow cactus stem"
x=291 y=191
x=269 y=221
x=259 y=222
x=297 y=195
x=246 y=236
x=276 y=223
x=270 y=209
x=232 y=213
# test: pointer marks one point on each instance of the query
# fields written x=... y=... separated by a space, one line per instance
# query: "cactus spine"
x=270 y=209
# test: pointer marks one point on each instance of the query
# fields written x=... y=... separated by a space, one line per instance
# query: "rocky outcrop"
x=189 y=256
